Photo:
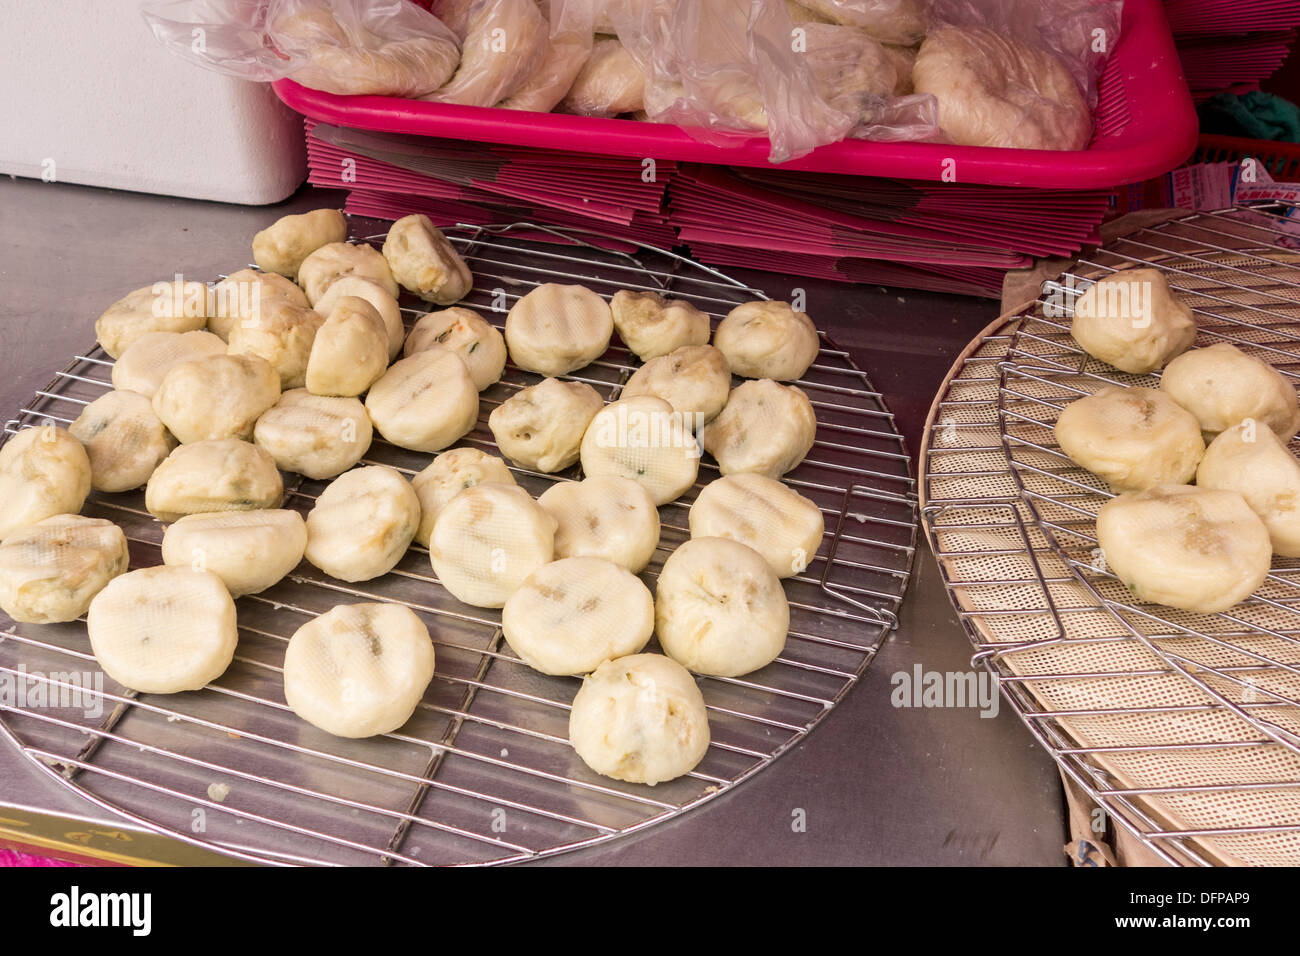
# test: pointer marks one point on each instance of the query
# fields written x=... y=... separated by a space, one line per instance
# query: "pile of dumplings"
x=1220 y=417
x=297 y=366
x=866 y=68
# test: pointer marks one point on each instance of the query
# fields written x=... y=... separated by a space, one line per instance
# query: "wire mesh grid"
x=483 y=773
x=1184 y=726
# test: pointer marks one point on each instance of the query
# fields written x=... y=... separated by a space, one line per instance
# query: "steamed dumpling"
x=1252 y=461
x=641 y=719
x=425 y=262
x=1191 y=548
x=768 y=340
x=282 y=246
x=1222 y=385
x=541 y=426
x=1133 y=438
x=51 y=570
x=766 y=428
x=44 y=471
x=1133 y=321
x=124 y=439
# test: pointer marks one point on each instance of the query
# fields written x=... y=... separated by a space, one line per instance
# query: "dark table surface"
x=877 y=784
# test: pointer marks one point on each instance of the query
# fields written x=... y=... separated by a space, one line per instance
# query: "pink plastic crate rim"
x=1160 y=132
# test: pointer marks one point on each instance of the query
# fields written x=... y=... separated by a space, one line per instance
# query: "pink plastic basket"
x=1145 y=126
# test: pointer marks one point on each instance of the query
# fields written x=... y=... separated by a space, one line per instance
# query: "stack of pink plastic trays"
x=946 y=238
x=453 y=181
x=1228 y=45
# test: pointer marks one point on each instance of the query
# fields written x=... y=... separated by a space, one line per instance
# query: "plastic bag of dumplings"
x=383 y=47
x=516 y=54
x=1017 y=73
x=768 y=67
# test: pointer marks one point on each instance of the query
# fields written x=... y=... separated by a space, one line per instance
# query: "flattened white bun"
x=334 y=260
x=282 y=246
x=124 y=439
x=49 y=571
x=487 y=540
x=1252 y=461
x=1133 y=321
x=141 y=367
x=44 y=471
x=249 y=550
x=224 y=475
x=720 y=609
x=362 y=524
x=161 y=307
x=572 y=615
x=541 y=426
x=768 y=340
x=358 y=669
x=1222 y=386
x=480 y=346
x=317 y=436
x=1133 y=438
x=605 y=516
x=695 y=380
x=220 y=396
x=642 y=438
x=651 y=325
x=163 y=630
x=239 y=298
x=385 y=304
x=424 y=402
x=1185 y=547
x=641 y=719
x=764 y=514
x=765 y=428
x=281 y=333
x=447 y=476
x=425 y=262
x=350 y=351
x=556 y=329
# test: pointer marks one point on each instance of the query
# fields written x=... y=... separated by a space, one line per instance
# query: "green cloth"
x=1255 y=115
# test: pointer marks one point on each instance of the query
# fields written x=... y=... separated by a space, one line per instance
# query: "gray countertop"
x=878 y=785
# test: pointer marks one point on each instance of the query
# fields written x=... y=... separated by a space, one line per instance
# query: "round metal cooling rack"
x=483 y=773
x=1185 y=727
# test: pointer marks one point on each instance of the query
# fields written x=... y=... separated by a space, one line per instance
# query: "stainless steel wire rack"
x=1184 y=727
x=483 y=773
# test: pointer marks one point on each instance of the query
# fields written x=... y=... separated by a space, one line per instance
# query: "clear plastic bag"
x=609 y=83
x=717 y=66
x=504 y=42
x=569 y=46
x=1081 y=33
x=455 y=14
x=901 y=22
x=1017 y=73
x=383 y=47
